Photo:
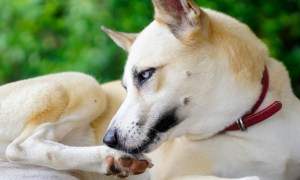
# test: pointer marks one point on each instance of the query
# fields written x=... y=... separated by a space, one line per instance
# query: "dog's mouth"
x=154 y=135
x=147 y=146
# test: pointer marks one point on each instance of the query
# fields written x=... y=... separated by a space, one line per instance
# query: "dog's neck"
x=237 y=106
x=252 y=117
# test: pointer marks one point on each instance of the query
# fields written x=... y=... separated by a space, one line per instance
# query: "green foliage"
x=45 y=36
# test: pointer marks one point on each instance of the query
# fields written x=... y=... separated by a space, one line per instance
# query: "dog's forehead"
x=153 y=46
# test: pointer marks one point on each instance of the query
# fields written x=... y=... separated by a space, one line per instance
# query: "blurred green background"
x=38 y=37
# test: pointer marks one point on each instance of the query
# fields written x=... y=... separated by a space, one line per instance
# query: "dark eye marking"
x=143 y=76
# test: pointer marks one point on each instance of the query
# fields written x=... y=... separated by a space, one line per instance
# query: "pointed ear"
x=123 y=40
x=186 y=20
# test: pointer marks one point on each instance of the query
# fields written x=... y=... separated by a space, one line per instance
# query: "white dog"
x=190 y=75
x=203 y=84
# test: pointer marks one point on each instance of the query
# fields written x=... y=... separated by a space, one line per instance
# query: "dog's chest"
x=213 y=157
x=176 y=158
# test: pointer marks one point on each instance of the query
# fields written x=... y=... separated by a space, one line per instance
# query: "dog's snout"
x=110 y=138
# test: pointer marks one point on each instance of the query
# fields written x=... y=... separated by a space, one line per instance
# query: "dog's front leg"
x=41 y=148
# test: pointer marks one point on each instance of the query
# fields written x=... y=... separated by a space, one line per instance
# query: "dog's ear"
x=123 y=40
x=186 y=20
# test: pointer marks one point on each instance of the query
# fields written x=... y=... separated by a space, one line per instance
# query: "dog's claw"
x=150 y=164
x=123 y=174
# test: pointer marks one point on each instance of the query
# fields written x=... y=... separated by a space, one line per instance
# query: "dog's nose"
x=110 y=138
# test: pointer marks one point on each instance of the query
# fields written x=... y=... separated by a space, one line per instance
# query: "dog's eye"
x=143 y=76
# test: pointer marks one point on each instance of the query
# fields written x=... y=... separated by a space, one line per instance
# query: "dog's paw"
x=122 y=165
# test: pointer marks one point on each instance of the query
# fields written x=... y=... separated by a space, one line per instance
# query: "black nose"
x=110 y=138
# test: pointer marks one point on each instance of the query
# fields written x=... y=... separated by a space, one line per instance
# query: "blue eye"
x=144 y=75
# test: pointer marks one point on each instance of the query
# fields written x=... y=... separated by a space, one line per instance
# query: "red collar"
x=251 y=118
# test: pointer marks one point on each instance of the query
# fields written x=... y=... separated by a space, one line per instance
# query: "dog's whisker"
x=196 y=73
x=150 y=128
x=139 y=150
x=198 y=105
x=137 y=147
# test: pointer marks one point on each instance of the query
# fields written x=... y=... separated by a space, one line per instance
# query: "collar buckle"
x=241 y=124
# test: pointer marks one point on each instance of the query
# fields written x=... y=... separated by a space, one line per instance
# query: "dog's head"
x=192 y=71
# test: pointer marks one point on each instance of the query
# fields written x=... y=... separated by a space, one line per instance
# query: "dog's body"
x=189 y=75
x=69 y=108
